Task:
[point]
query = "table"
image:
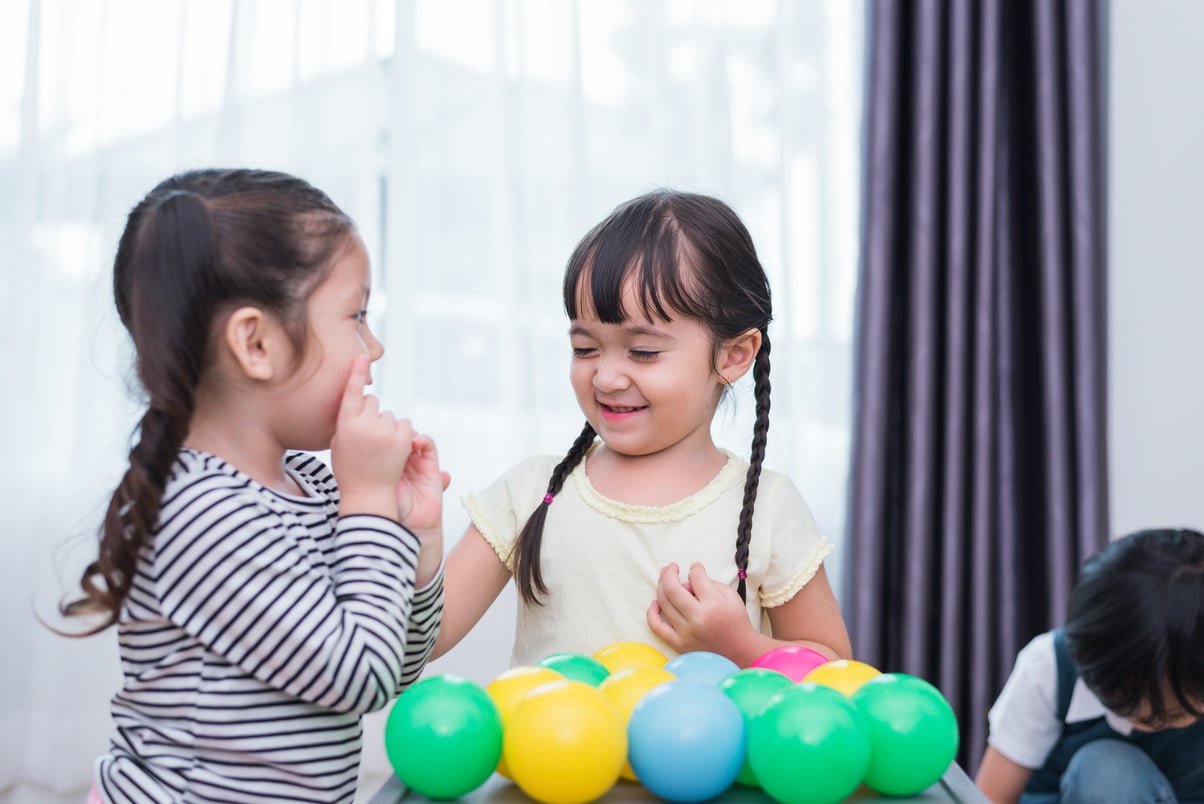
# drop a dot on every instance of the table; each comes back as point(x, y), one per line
point(955, 786)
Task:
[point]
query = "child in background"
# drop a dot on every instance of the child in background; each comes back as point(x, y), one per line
point(1108, 707)
point(264, 602)
point(668, 306)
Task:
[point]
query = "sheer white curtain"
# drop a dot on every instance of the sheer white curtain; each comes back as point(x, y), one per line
point(474, 143)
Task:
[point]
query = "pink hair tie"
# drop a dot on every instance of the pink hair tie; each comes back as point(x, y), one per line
point(742, 574)
point(547, 498)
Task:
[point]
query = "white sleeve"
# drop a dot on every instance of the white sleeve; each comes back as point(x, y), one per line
point(1024, 725)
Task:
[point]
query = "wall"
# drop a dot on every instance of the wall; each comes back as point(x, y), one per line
point(1156, 292)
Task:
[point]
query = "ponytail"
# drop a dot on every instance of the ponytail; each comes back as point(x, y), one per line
point(527, 575)
point(757, 457)
point(163, 261)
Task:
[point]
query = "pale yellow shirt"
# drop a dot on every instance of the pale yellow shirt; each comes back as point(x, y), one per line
point(601, 558)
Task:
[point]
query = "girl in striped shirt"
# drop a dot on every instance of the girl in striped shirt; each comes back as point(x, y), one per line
point(264, 601)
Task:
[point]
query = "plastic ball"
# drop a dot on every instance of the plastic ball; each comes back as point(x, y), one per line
point(511, 687)
point(577, 667)
point(687, 741)
point(565, 743)
point(809, 745)
point(625, 689)
point(621, 655)
point(843, 675)
point(702, 666)
point(913, 733)
point(443, 737)
point(792, 661)
point(751, 689)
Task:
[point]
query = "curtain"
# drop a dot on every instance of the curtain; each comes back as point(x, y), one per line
point(979, 477)
point(474, 143)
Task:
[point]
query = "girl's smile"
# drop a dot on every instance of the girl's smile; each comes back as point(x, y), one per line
point(618, 413)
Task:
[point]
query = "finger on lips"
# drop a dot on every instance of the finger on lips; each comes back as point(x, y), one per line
point(353, 394)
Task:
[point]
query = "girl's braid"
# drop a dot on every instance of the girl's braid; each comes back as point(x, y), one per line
point(527, 574)
point(760, 432)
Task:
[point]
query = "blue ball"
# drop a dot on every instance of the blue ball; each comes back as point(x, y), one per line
point(702, 666)
point(685, 741)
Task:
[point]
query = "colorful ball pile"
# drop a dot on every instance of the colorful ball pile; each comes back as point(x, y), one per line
point(567, 729)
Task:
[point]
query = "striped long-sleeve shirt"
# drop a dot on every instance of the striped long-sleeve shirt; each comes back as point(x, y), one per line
point(259, 629)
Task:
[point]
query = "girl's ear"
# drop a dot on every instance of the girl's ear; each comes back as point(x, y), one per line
point(256, 342)
point(736, 356)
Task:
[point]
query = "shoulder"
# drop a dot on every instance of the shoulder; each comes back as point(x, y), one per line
point(205, 495)
point(524, 478)
point(1034, 675)
point(200, 474)
point(1036, 662)
point(781, 506)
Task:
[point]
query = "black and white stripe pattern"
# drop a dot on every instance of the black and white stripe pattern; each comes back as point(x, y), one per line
point(259, 629)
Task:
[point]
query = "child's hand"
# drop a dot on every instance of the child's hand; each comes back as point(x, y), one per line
point(420, 500)
point(420, 492)
point(701, 614)
point(369, 451)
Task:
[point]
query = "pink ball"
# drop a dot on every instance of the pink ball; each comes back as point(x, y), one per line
point(792, 661)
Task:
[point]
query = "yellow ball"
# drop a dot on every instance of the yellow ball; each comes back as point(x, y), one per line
point(511, 687)
point(565, 743)
point(843, 675)
point(621, 655)
point(625, 689)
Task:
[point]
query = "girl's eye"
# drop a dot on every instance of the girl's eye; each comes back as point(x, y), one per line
point(361, 316)
point(641, 355)
point(582, 351)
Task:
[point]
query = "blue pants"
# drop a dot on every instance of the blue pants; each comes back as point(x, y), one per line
point(1108, 770)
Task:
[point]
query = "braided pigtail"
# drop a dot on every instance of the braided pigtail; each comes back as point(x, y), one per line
point(527, 575)
point(757, 457)
point(166, 253)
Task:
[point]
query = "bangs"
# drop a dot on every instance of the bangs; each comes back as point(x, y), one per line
point(640, 248)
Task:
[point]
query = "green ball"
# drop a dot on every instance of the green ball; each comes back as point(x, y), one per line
point(576, 667)
point(913, 733)
point(750, 689)
point(444, 737)
point(809, 745)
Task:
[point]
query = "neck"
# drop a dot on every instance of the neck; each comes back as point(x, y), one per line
point(240, 442)
point(659, 478)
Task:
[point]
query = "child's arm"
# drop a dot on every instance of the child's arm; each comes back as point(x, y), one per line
point(706, 614)
point(473, 578)
point(232, 572)
point(1000, 779)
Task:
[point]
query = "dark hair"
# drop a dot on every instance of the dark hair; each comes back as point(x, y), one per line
point(688, 255)
point(1135, 624)
point(200, 244)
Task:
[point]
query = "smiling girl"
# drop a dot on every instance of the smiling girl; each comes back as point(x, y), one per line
point(668, 306)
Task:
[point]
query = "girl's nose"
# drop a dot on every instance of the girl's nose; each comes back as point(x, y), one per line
point(609, 377)
point(376, 349)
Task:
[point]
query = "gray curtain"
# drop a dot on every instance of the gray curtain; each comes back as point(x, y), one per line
point(979, 473)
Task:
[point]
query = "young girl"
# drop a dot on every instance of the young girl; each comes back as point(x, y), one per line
point(263, 603)
point(669, 306)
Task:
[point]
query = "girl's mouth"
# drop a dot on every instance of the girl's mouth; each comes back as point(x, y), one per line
point(619, 412)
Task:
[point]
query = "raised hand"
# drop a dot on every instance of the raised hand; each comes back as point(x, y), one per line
point(369, 451)
point(700, 614)
point(420, 500)
point(420, 492)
